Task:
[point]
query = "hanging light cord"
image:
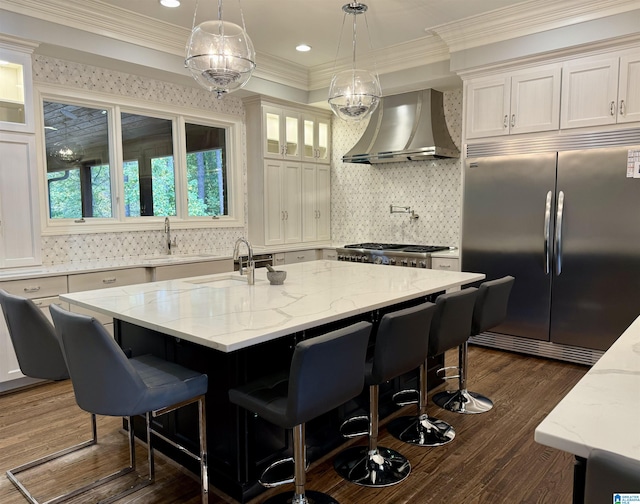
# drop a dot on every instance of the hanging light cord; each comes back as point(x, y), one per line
point(335, 61)
point(375, 66)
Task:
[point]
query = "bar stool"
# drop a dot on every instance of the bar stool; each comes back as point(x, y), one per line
point(401, 345)
point(39, 356)
point(490, 310)
point(451, 324)
point(325, 372)
point(106, 382)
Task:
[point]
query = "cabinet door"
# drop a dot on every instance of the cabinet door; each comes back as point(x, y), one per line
point(273, 203)
point(309, 209)
point(629, 89)
point(282, 133)
point(323, 202)
point(292, 202)
point(19, 219)
point(316, 133)
point(535, 100)
point(487, 107)
point(589, 92)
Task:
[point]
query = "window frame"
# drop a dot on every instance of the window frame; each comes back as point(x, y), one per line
point(114, 105)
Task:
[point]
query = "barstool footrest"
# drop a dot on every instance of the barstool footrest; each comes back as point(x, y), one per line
point(406, 397)
point(381, 468)
point(356, 426)
point(441, 373)
point(463, 401)
point(281, 472)
point(421, 430)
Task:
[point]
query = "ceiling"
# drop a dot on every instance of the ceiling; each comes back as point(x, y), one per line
point(414, 44)
point(276, 27)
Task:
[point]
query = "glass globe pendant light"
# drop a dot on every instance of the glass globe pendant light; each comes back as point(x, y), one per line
point(67, 151)
point(220, 54)
point(354, 94)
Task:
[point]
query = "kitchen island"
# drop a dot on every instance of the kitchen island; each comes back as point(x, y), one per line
point(236, 332)
point(602, 411)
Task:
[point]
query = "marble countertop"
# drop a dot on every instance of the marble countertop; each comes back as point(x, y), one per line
point(222, 312)
point(603, 409)
point(151, 261)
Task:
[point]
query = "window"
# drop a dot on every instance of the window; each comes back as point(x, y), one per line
point(78, 166)
point(113, 165)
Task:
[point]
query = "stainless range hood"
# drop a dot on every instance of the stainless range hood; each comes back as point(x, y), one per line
point(408, 126)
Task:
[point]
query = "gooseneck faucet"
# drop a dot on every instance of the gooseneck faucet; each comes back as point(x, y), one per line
point(251, 266)
point(167, 232)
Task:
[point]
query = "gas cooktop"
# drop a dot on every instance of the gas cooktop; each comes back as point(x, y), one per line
point(397, 247)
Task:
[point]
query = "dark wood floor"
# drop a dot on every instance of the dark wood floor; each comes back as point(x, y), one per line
point(493, 458)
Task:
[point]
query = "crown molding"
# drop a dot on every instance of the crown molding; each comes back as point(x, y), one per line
point(423, 51)
point(526, 18)
point(17, 44)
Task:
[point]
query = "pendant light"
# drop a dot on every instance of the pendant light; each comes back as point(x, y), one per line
point(67, 152)
point(220, 54)
point(354, 94)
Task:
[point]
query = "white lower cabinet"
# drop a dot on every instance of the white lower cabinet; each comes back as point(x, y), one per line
point(174, 271)
point(103, 280)
point(445, 263)
point(282, 202)
point(316, 205)
point(329, 254)
point(43, 292)
point(300, 256)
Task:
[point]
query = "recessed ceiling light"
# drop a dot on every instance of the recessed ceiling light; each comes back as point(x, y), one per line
point(303, 48)
point(170, 3)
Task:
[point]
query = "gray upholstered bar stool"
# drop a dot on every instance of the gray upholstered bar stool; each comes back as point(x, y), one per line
point(39, 356)
point(609, 474)
point(450, 325)
point(400, 346)
point(106, 382)
point(326, 371)
point(490, 309)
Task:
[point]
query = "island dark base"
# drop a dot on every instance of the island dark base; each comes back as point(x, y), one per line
point(240, 444)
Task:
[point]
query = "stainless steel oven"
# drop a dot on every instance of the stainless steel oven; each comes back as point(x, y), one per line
point(390, 254)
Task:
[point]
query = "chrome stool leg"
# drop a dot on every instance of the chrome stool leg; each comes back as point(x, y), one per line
point(300, 496)
point(372, 466)
point(462, 400)
point(422, 430)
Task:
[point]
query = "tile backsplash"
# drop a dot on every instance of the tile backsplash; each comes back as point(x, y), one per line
point(361, 194)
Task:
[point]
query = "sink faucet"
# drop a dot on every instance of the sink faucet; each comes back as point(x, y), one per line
point(251, 266)
point(167, 232)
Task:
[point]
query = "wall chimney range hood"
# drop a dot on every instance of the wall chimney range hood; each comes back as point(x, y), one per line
point(408, 126)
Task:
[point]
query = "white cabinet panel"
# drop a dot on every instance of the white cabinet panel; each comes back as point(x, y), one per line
point(629, 89)
point(535, 101)
point(445, 263)
point(282, 202)
point(589, 92)
point(300, 256)
point(487, 107)
point(281, 133)
point(316, 136)
point(171, 272)
point(19, 208)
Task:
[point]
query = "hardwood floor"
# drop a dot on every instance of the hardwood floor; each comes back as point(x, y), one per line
point(493, 458)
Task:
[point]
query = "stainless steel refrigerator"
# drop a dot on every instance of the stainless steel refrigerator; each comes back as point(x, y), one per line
point(566, 225)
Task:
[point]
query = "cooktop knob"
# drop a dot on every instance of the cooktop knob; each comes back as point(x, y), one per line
point(392, 261)
point(404, 262)
point(422, 264)
point(378, 260)
point(414, 263)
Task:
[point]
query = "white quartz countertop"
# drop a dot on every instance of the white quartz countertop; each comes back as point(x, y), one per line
point(151, 261)
point(222, 312)
point(603, 409)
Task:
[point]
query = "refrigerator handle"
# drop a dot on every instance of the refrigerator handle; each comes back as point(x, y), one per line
point(547, 232)
point(558, 242)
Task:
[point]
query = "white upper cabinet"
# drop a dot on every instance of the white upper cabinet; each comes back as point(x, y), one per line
point(16, 88)
point(19, 209)
point(316, 134)
point(524, 101)
point(281, 128)
point(629, 89)
point(589, 92)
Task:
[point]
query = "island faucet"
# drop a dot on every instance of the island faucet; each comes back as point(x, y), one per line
point(251, 266)
point(167, 232)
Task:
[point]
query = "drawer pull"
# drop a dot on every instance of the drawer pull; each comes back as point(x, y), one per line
point(35, 288)
point(37, 303)
point(299, 257)
point(109, 280)
point(444, 266)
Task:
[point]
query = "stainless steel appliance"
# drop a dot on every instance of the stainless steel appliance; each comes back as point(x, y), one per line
point(566, 224)
point(391, 254)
